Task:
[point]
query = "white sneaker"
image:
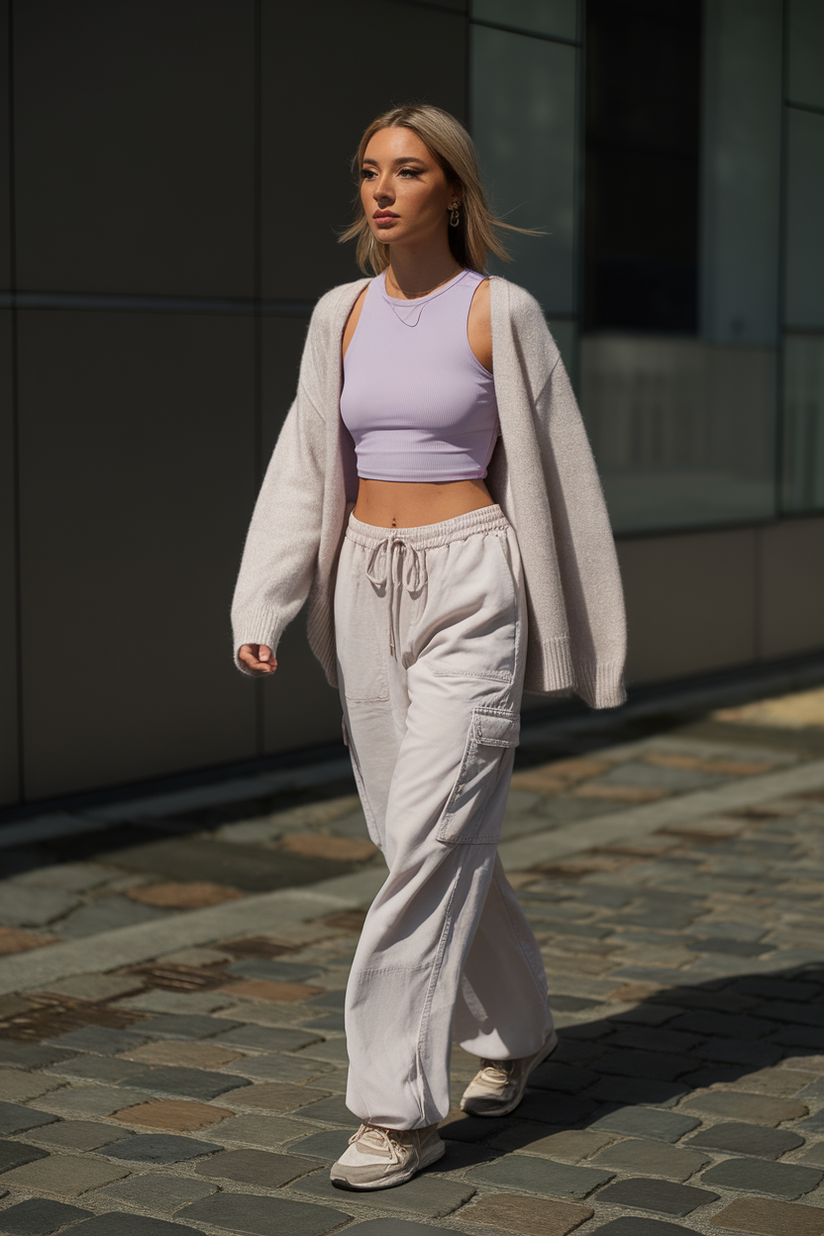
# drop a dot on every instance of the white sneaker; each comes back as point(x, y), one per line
point(379, 1158)
point(499, 1086)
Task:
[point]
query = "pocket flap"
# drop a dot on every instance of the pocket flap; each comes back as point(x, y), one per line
point(494, 728)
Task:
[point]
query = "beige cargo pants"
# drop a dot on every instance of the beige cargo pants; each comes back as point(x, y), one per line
point(430, 630)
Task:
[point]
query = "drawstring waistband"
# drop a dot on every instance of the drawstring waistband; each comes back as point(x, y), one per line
point(397, 557)
point(397, 566)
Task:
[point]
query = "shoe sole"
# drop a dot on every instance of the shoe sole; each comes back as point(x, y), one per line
point(510, 1107)
point(437, 1152)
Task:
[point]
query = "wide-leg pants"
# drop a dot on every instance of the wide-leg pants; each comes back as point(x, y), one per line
point(431, 629)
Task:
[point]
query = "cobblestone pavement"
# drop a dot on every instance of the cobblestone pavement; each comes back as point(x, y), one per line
point(172, 1055)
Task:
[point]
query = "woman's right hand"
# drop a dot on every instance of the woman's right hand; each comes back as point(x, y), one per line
point(257, 658)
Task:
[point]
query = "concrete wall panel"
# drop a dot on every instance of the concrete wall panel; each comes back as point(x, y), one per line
point(137, 477)
point(135, 146)
point(792, 587)
point(5, 150)
point(319, 94)
point(9, 786)
point(690, 602)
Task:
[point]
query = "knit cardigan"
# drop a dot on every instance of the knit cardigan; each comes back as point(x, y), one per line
point(542, 474)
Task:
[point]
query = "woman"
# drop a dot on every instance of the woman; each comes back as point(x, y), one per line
point(478, 560)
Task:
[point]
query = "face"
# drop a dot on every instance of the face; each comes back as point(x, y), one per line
point(405, 194)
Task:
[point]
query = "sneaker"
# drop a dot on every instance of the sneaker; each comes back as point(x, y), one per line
point(499, 1086)
point(380, 1158)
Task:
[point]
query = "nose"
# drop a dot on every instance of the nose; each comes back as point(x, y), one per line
point(382, 189)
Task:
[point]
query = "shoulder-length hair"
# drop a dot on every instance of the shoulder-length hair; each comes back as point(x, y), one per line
point(454, 150)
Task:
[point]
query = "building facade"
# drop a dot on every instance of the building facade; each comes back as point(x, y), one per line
point(178, 171)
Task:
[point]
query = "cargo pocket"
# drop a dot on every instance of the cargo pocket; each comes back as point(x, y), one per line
point(371, 827)
point(464, 820)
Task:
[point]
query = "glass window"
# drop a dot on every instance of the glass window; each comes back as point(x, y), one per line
point(642, 148)
point(804, 423)
point(682, 431)
point(807, 52)
point(741, 171)
point(805, 213)
point(523, 120)
point(552, 17)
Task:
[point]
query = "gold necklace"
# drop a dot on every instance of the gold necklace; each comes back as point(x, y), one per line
point(418, 295)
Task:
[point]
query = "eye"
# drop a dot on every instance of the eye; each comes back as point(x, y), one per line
point(367, 173)
point(408, 172)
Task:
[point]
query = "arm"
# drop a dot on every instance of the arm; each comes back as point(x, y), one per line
point(587, 560)
point(282, 543)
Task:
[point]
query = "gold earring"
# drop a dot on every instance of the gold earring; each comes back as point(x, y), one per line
point(455, 214)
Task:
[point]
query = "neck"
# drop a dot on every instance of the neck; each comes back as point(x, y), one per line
point(414, 274)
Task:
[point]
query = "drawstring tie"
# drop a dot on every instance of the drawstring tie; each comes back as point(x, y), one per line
point(397, 565)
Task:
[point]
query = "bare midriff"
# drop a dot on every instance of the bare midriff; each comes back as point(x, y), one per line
point(413, 504)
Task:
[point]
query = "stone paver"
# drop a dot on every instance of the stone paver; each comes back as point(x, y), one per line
point(15, 1118)
point(184, 1055)
point(159, 1148)
point(760, 1109)
point(129, 1225)
point(660, 1196)
point(33, 907)
point(572, 1144)
point(179, 1115)
point(528, 1215)
point(262, 1132)
point(757, 1176)
point(153, 1191)
point(108, 914)
point(642, 1227)
point(425, 1195)
point(267, 1038)
point(185, 1026)
point(37, 1217)
point(395, 1227)
point(272, 1097)
point(769, 1218)
point(98, 1068)
point(16, 1087)
point(79, 1135)
point(260, 1216)
point(667, 1126)
point(685, 968)
point(101, 1040)
point(255, 1167)
point(15, 1154)
point(737, 1137)
point(89, 1100)
point(63, 1174)
point(188, 1083)
point(656, 1158)
point(540, 1176)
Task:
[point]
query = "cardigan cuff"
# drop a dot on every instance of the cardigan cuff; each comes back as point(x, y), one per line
point(601, 685)
point(257, 626)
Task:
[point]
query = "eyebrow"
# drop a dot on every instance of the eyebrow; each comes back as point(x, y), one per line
point(396, 162)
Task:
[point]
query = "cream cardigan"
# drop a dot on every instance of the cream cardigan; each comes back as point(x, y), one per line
point(542, 474)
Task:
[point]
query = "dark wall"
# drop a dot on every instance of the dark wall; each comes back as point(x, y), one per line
point(180, 172)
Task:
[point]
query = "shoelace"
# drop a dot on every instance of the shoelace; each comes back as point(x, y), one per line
point(380, 1139)
point(497, 1072)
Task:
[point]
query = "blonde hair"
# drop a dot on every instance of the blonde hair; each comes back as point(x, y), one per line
point(454, 150)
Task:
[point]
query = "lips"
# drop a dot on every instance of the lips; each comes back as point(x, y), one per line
point(384, 214)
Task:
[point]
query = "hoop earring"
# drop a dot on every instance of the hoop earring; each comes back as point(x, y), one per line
point(455, 214)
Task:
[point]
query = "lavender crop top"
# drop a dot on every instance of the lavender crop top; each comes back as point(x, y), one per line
point(418, 403)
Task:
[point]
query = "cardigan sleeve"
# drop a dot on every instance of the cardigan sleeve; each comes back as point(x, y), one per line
point(282, 543)
point(587, 561)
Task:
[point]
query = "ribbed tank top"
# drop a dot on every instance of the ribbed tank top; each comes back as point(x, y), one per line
point(418, 403)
